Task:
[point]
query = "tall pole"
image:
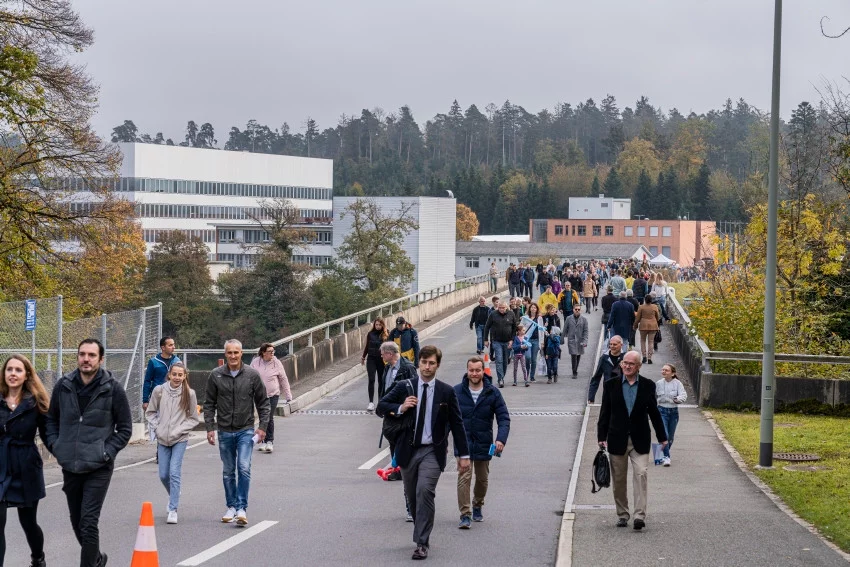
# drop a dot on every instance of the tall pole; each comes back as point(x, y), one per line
point(768, 355)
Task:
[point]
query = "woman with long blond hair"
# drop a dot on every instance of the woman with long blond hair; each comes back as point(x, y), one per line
point(23, 406)
point(376, 336)
point(172, 413)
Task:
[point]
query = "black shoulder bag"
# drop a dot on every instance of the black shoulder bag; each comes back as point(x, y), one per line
point(395, 425)
point(601, 472)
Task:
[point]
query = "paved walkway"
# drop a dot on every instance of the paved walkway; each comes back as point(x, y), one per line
point(702, 510)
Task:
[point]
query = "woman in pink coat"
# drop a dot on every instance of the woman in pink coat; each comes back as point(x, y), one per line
point(274, 377)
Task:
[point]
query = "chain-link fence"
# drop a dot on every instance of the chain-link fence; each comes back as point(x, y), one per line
point(130, 337)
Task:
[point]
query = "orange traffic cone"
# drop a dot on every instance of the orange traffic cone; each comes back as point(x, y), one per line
point(145, 553)
point(487, 371)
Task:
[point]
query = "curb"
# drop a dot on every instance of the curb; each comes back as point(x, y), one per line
point(312, 396)
point(760, 484)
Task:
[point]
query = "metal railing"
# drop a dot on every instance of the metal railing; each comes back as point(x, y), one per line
point(365, 316)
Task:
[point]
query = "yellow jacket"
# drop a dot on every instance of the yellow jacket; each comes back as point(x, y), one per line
point(547, 298)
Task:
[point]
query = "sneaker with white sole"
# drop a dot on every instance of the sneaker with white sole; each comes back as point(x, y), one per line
point(172, 517)
point(666, 461)
point(269, 447)
point(370, 407)
point(241, 518)
point(261, 447)
point(229, 515)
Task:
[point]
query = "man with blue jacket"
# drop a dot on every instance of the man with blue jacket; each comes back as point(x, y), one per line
point(479, 403)
point(157, 369)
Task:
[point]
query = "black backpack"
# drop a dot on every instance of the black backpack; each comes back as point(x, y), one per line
point(601, 472)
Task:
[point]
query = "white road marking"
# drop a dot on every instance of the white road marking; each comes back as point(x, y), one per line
point(227, 544)
point(131, 465)
point(374, 460)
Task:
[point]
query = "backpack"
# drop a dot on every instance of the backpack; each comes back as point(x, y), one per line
point(601, 472)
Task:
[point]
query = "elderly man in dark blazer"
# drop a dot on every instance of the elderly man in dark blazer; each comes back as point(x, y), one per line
point(421, 451)
point(628, 404)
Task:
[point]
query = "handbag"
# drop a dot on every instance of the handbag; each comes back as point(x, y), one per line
point(601, 477)
point(394, 425)
point(541, 365)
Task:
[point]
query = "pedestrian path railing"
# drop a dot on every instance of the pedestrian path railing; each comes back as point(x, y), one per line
point(37, 329)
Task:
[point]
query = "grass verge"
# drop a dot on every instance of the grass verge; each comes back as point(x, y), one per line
point(821, 497)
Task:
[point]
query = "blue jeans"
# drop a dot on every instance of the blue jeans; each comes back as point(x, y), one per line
point(479, 336)
point(170, 465)
point(552, 366)
point(531, 357)
point(503, 354)
point(235, 449)
point(670, 417)
point(494, 284)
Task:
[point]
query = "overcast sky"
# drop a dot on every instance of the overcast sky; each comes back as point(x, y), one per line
point(164, 62)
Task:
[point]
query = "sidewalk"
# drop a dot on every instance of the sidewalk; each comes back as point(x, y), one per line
point(701, 511)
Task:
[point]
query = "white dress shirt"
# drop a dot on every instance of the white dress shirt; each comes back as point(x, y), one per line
point(427, 434)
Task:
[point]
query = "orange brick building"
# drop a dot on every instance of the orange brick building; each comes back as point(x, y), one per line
point(680, 240)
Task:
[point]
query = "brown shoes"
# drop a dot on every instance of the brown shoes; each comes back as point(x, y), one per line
point(420, 553)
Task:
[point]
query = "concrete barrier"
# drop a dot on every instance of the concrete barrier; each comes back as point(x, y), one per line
point(717, 390)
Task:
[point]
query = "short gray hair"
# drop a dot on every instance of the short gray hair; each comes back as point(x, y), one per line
point(390, 347)
point(233, 342)
point(623, 295)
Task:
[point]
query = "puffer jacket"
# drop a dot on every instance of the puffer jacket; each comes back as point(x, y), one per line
point(167, 418)
point(478, 418)
point(86, 441)
point(230, 400)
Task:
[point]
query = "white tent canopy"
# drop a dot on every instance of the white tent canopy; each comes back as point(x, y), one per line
point(661, 260)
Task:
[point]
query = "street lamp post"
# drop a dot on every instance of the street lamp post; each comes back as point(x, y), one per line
point(768, 354)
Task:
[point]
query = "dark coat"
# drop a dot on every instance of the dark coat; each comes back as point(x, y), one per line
point(408, 343)
point(479, 316)
point(622, 318)
point(478, 418)
point(616, 425)
point(500, 328)
point(21, 475)
point(607, 302)
point(86, 441)
point(445, 417)
point(229, 401)
point(406, 371)
point(373, 343)
point(606, 369)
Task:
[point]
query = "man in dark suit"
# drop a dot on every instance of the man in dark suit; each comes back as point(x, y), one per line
point(623, 428)
point(421, 452)
point(396, 367)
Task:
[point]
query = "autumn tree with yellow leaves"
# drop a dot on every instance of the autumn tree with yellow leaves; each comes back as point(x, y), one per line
point(467, 223)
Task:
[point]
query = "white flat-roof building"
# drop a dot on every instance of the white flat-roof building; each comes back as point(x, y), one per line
point(217, 194)
point(431, 248)
point(601, 207)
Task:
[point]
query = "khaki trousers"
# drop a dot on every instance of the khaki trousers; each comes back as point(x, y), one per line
point(647, 342)
point(482, 474)
point(619, 474)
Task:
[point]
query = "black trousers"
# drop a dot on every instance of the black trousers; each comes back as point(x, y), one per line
point(85, 493)
point(35, 537)
point(575, 359)
point(374, 371)
point(273, 401)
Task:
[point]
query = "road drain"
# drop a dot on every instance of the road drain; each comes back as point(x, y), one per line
point(796, 457)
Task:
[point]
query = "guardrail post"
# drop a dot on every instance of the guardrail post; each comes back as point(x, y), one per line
point(310, 339)
point(342, 328)
point(368, 317)
point(291, 347)
point(103, 328)
point(327, 332)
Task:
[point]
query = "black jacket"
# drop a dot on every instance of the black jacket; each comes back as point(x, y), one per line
point(230, 400)
point(576, 282)
point(86, 441)
point(479, 316)
point(550, 321)
point(21, 475)
point(406, 371)
point(515, 277)
point(478, 418)
point(616, 425)
point(500, 328)
point(373, 344)
point(529, 275)
point(606, 369)
point(544, 278)
point(607, 301)
point(445, 417)
point(639, 288)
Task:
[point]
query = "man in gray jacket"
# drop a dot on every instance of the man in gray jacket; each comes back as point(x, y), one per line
point(232, 392)
point(88, 423)
point(575, 336)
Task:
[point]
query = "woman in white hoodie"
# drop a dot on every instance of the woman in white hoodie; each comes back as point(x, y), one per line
point(172, 414)
point(669, 393)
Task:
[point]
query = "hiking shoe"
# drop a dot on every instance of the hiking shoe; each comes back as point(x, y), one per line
point(241, 518)
point(476, 515)
point(229, 516)
point(623, 523)
point(370, 407)
point(465, 523)
point(639, 524)
point(172, 517)
point(269, 447)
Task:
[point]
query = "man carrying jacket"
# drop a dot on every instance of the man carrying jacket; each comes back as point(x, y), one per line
point(88, 423)
point(478, 320)
point(480, 403)
point(608, 366)
point(501, 328)
point(232, 392)
point(407, 339)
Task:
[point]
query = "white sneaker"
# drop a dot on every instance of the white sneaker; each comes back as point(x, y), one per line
point(261, 447)
point(666, 461)
point(370, 407)
point(241, 518)
point(269, 447)
point(229, 515)
point(172, 517)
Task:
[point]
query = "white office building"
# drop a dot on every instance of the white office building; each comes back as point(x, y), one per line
point(431, 248)
point(217, 195)
point(600, 208)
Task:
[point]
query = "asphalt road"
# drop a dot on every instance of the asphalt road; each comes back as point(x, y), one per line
point(322, 509)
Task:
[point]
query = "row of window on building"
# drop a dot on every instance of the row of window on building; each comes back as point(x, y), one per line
point(581, 230)
point(250, 260)
point(153, 235)
point(229, 236)
point(157, 210)
point(186, 187)
point(475, 261)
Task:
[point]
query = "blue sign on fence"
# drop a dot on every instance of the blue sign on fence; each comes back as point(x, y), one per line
point(30, 314)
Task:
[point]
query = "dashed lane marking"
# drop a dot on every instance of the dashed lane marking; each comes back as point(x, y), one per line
point(229, 543)
point(524, 413)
